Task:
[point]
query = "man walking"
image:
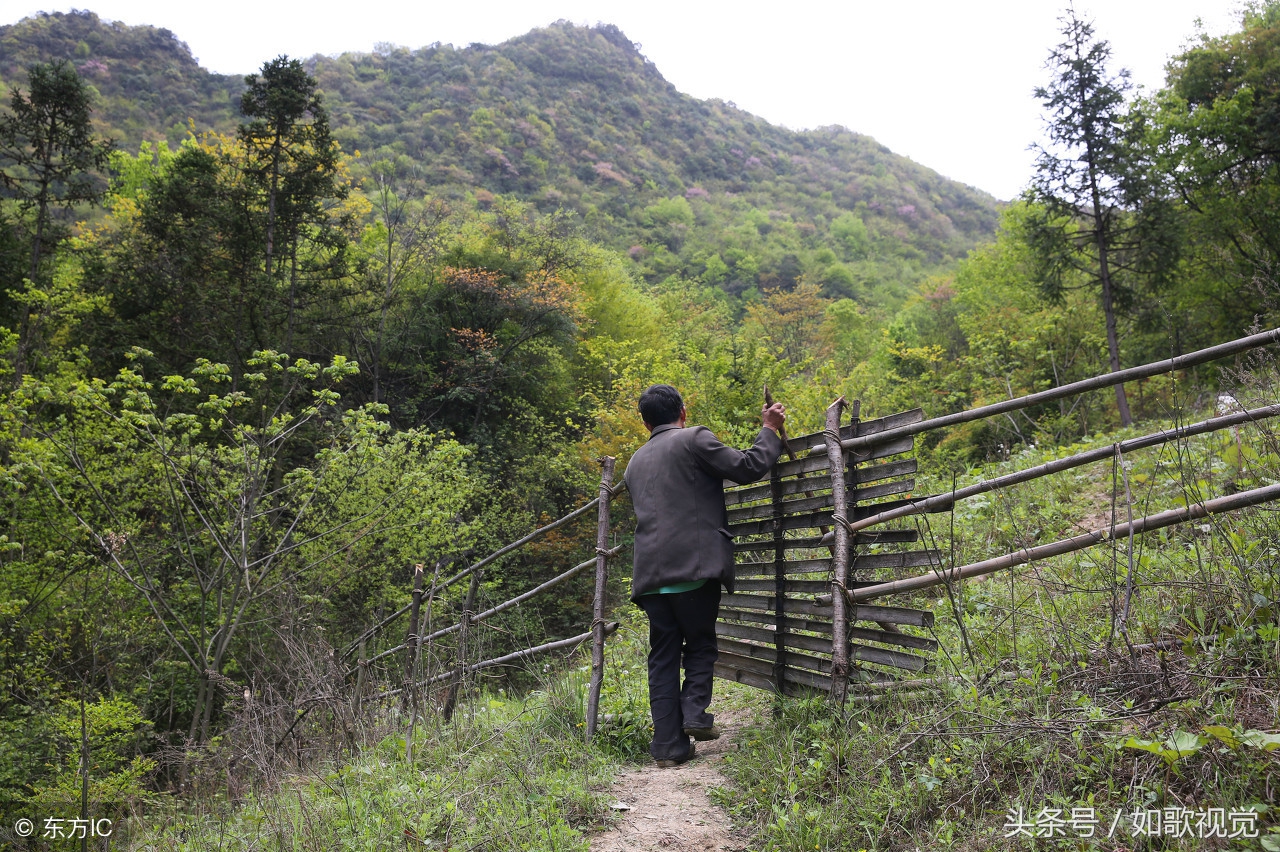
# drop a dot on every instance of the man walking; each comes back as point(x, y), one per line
point(683, 555)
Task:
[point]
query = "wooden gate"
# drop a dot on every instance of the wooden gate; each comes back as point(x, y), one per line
point(778, 629)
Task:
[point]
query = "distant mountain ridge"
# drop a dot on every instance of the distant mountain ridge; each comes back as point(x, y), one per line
point(571, 117)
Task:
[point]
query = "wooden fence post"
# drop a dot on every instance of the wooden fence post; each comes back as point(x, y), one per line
point(839, 555)
point(361, 665)
point(410, 640)
point(779, 585)
point(602, 577)
point(468, 609)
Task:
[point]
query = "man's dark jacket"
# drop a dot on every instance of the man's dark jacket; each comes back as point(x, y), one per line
point(676, 482)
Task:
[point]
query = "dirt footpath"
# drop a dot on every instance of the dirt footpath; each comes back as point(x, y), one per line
point(668, 810)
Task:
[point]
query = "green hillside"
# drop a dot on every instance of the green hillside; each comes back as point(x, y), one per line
point(572, 118)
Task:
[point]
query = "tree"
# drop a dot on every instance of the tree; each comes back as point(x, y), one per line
point(49, 159)
point(181, 267)
point(1095, 221)
point(404, 239)
point(1220, 119)
point(294, 160)
point(219, 507)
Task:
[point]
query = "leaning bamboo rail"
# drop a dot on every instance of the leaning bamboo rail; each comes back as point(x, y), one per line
point(533, 536)
point(572, 642)
point(602, 577)
point(1191, 359)
point(1149, 523)
point(466, 572)
point(502, 607)
point(941, 502)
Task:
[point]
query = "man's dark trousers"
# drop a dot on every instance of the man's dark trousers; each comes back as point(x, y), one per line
point(682, 630)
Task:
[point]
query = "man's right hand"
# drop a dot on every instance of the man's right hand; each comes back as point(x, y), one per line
point(774, 416)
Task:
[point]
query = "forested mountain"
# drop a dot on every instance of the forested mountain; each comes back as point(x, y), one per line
point(268, 342)
point(148, 86)
point(572, 118)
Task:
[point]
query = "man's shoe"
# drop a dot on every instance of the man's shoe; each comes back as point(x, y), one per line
point(702, 734)
point(667, 763)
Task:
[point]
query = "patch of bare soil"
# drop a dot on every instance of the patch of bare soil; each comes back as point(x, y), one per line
point(669, 810)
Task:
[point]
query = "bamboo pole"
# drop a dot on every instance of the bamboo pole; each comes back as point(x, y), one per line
point(360, 669)
point(791, 454)
point(602, 577)
point(455, 677)
point(839, 555)
point(359, 641)
point(1155, 368)
point(409, 643)
point(941, 502)
point(574, 641)
point(515, 545)
point(617, 488)
point(488, 613)
point(414, 655)
point(521, 598)
point(1068, 545)
point(779, 584)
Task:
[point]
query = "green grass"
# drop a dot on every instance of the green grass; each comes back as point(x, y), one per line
point(1045, 708)
point(1038, 707)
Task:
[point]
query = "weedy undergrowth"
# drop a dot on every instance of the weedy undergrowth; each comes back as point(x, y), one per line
point(1123, 696)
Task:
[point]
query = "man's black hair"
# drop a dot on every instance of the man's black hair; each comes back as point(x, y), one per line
point(660, 405)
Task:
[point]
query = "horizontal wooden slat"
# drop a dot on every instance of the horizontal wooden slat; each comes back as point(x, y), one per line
point(891, 421)
point(769, 619)
point(862, 539)
point(814, 440)
point(820, 501)
point(861, 612)
point(862, 427)
point(864, 473)
point(762, 545)
point(905, 559)
point(894, 447)
point(801, 641)
point(862, 653)
point(818, 461)
point(812, 520)
point(902, 640)
point(766, 602)
point(819, 482)
point(790, 566)
point(789, 507)
point(760, 667)
point(792, 587)
point(787, 487)
point(885, 536)
point(883, 489)
point(887, 657)
point(767, 655)
point(891, 615)
point(725, 671)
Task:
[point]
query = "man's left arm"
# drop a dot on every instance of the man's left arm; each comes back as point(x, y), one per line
point(743, 466)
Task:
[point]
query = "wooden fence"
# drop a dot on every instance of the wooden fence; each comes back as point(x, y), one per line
point(828, 533)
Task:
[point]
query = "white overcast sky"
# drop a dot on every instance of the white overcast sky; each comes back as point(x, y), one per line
point(944, 82)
